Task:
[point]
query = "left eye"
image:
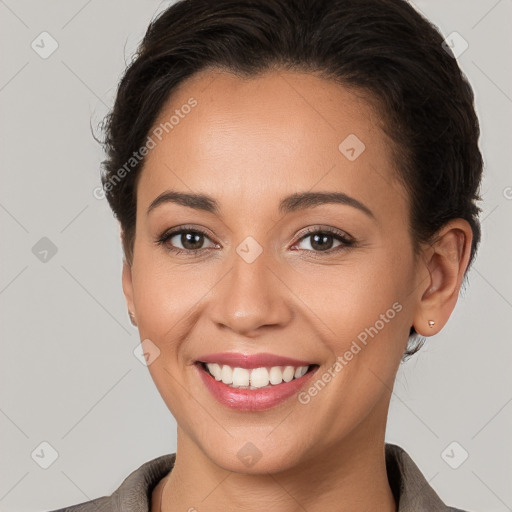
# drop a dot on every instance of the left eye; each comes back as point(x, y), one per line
point(322, 241)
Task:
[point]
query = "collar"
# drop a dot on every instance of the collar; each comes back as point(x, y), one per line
point(411, 490)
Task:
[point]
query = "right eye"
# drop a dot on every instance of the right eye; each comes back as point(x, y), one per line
point(191, 241)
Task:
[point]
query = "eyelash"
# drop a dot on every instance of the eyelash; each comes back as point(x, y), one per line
point(346, 241)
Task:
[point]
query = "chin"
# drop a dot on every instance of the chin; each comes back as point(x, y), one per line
point(256, 457)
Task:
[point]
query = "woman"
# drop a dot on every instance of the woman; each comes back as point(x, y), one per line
point(296, 185)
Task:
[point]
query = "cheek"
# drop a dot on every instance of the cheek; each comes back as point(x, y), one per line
point(368, 313)
point(354, 294)
point(368, 325)
point(169, 296)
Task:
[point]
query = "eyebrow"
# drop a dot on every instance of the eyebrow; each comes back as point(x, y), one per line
point(292, 203)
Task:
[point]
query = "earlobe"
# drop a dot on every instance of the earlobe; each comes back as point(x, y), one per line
point(446, 263)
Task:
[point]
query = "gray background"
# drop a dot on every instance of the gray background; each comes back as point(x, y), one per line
point(68, 373)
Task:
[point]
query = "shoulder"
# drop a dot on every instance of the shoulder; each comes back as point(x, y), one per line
point(134, 493)
point(412, 491)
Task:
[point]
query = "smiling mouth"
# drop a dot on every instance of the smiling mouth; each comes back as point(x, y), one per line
point(255, 378)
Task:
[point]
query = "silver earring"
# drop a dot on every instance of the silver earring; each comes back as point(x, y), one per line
point(132, 318)
point(431, 323)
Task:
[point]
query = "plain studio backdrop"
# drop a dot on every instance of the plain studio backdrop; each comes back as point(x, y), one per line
point(72, 388)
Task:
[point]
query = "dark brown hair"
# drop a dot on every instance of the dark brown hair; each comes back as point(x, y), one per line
point(383, 48)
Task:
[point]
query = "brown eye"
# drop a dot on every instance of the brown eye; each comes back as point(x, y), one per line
point(184, 241)
point(323, 240)
point(190, 240)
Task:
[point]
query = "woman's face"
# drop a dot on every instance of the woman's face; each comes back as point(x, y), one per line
point(329, 283)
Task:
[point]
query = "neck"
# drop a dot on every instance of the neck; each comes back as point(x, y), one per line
point(348, 477)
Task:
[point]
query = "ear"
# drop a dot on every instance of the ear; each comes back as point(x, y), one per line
point(446, 261)
point(128, 291)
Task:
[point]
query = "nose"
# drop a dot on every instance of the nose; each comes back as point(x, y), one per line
point(251, 296)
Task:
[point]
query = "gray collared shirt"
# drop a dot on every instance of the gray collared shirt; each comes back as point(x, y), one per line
point(412, 492)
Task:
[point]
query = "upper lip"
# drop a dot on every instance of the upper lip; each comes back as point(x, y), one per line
point(249, 361)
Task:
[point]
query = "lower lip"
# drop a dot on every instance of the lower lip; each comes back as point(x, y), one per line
point(253, 399)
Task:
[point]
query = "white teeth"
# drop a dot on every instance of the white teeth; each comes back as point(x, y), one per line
point(275, 375)
point(288, 373)
point(255, 378)
point(300, 371)
point(226, 374)
point(259, 377)
point(240, 377)
point(215, 370)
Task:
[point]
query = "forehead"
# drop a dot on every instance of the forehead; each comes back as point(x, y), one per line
point(248, 141)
